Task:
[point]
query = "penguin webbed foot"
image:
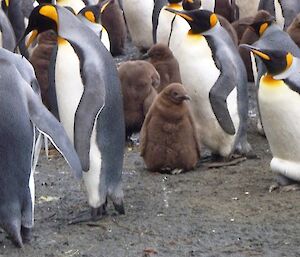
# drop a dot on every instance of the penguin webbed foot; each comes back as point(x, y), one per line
point(119, 207)
point(92, 215)
point(284, 184)
point(26, 234)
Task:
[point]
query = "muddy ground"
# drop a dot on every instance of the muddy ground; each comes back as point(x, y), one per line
point(207, 212)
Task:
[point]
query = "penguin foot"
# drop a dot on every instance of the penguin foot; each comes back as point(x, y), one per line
point(223, 162)
point(93, 215)
point(284, 184)
point(119, 208)
point(26, 234)
point(176, 171)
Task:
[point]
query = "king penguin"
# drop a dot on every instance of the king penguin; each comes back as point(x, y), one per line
point(85, 80)
point(216, 80)
point(138, 16)
point(7, 36)
point(279, 101)
point(90, 16)
point(23, 118)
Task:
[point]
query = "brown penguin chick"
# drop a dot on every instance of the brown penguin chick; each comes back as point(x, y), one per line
point(40, 60)
point(138, 82)
point(294, 30)
point(113, 21)
point(168, 138)
point(241, 25)
point(162, 58)
point(227, 25)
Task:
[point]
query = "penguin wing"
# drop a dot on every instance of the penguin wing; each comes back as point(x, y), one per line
point(91, 103)
point(8, 36)
point(52, 98)
point(293, 82)
point(48, 125)
point(219, 93)
point(158, 5)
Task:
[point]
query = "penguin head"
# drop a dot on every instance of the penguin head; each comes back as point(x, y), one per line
point(174, 1)
point(199, 20)
point(175, 93)
point(276, 61)
point(43, 17)
point(159, 52)
point(191, 4)
point(93, 12)
point(261, 22)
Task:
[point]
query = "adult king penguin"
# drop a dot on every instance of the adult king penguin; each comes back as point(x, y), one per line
point(279, 101)
point(7, 36)
point(22, 116)
point(216, 80)
point(90, 16)
point(89, 102)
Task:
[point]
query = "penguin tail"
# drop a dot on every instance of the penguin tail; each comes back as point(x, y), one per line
point(13, 228)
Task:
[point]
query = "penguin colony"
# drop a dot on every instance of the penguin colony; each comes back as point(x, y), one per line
point(190, 93)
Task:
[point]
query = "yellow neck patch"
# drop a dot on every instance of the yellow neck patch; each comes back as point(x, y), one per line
point(175, 6)
point(289, 60)
point(268, 80)
point(61, 41)
point(213, 20)
point(50, 12)
point(90, 16)
point(194, 36)
point(263, 28)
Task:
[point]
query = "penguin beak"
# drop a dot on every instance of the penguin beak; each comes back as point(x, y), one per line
point(32, 37)
point(182, 14)
point(256, 51)
point(185, 97)
point(145, 56)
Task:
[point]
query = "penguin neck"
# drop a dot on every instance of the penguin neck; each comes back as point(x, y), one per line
point(170, 111)
point(294, 68)
point(96, 27)
point(175, 6)
point(268, 80)
point(213, 30)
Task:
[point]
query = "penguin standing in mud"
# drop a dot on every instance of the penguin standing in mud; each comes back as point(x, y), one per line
point(90, 16)
point(23, 116)
point(138, 16)
point(85, 80)
point(279, 101)
point(168, 136)
point(216, 80)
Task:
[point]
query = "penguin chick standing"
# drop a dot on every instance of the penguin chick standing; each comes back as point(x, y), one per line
point(138, 80)
point(22, 116)
point(168, 137)
point(215, 78)
point(162, 58)
point(279, 105)
point(113, 21)
point(88, 92)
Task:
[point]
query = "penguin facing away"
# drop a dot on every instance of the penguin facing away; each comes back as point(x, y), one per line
point(168, 136)
point(215, 78)
point(139, 79)
point(90, 16)
point(279, 101)
point(113, 21)
point(19, 148)
point(162, 58)
point(89, 103)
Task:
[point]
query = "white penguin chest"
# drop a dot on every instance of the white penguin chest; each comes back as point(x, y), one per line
point(68, 85)
point(105, 39)
point(138, 16)
point(280, 114)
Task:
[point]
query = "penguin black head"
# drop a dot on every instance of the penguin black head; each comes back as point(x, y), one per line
point(43, 17)
point(93, 12)
point(199, 20)
point(191, 4)
point(44, 1)
point(261, 22)
point(175, 93)
point(276, 61)
point(174, 1)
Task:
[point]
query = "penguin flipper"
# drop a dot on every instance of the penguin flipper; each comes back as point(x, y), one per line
point(8, 36)
point(218, 98)
point(88, 110)
point(47, 124)
point(294, 83)
point(158, 5)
